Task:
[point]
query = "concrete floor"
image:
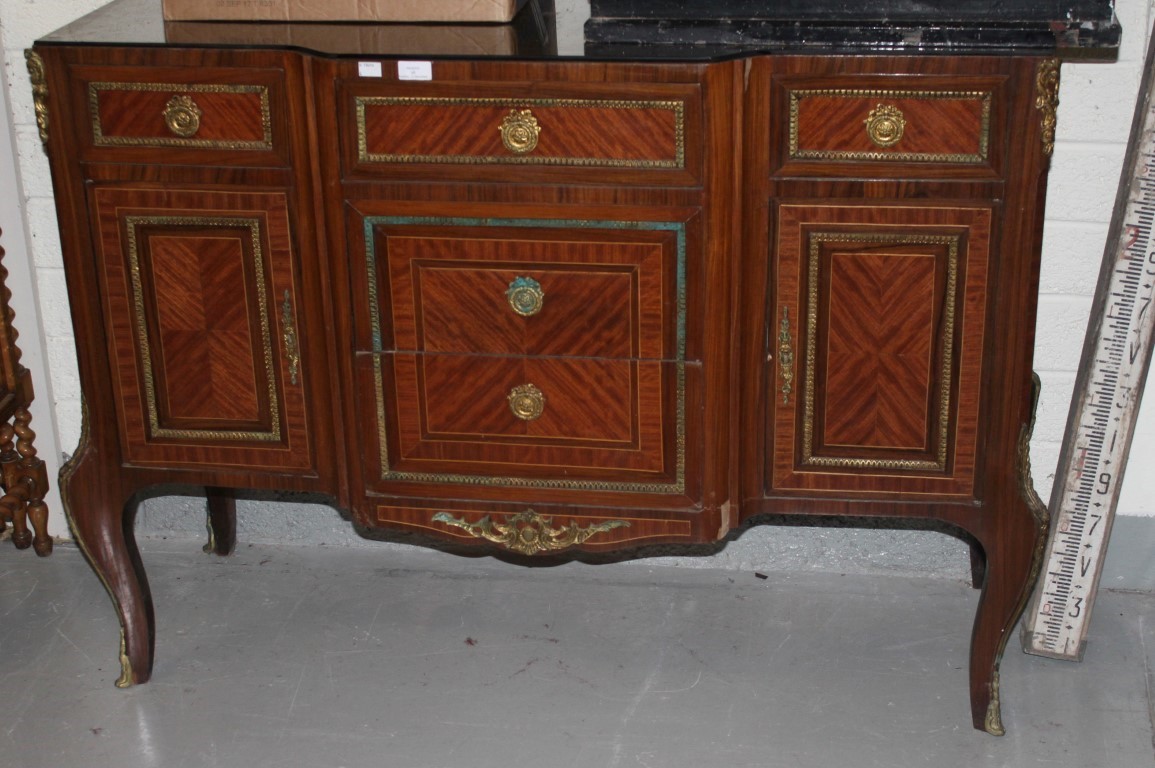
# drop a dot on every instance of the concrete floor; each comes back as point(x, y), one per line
point(324, 657)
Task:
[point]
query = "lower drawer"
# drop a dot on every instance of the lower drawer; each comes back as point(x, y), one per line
point(537, 530)
point(534, 423)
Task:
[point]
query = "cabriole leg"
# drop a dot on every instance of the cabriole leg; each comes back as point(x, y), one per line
point(102, 519)
point(978, 565)
point(1014, 555)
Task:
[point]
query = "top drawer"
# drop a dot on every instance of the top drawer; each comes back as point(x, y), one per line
point(182, 114)
point(905, 125)
point(536, 130)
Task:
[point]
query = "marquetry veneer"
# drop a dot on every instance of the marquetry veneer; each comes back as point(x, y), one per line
point(551, 304)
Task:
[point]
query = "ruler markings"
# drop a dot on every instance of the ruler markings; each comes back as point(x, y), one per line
point(1116, 358)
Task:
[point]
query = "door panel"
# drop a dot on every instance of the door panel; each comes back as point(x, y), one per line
point(203, 318)
point(878, 331)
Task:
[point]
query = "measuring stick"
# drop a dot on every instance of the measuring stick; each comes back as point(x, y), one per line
point(1113, 370)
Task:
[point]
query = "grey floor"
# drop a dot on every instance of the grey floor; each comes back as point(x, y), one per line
point(287, 657)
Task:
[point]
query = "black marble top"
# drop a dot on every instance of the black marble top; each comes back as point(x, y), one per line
point(1071, 27)
point(654, 29)
point(919, 11)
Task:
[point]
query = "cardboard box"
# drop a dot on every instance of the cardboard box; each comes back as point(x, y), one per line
point(385, 39)
point(531, 33)
point(341, 10)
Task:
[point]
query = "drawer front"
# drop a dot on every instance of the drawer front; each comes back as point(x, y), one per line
point(577, 286)
point(526, 423)
point(543, 127)
point(152, 114)
point(870, 124)
point(180, 114)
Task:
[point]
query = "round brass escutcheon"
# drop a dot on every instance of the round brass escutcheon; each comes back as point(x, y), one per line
point(519, 131)
point(526, 401)
point(182, 116)
point(525, 296)
point(885, 125)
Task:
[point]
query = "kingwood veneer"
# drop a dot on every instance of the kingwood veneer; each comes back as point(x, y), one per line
point(554, 304)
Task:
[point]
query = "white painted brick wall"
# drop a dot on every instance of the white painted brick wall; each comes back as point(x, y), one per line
point(1097, 101)
point(22, 282)
point(21, 22)
point(1096, 105)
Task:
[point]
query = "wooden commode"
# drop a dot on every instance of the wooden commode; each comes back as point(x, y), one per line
point(552, 302)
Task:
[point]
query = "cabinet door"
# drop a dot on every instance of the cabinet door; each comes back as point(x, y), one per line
point(202, 314)
point(876, 342)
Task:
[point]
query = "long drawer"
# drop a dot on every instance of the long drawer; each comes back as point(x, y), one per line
point(179, 115)
point(906, 125)
point(581, 286)
point(527, 424)
point(548, 130)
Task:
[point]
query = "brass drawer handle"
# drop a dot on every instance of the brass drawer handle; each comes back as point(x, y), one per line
point(519, 131)
point(786, 356)
point(289, 334)
point(525, 296)
point(885, 124)
point(182, 115)
point(526, 401)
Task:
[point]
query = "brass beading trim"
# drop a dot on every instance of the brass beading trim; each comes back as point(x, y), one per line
point(870, 93)
point(253, 225)
point(100, 140)
point(816, 240)
point(677, 107)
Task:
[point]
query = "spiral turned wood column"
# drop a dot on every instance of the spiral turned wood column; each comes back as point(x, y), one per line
point(22, 474)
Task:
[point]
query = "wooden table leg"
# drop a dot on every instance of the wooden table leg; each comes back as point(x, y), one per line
point(31, 469)
point(102, 517)
point(978, 565)
point(1014, 555)
point(16, 493)
point(222, 522)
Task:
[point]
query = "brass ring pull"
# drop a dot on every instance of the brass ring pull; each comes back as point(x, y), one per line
point(183, 116)
point(786, 356)
point(526, 401)
point(525, 296)
point(519, 131)
point(885, 124)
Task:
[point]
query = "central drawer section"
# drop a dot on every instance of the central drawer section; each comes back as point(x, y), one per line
point(530, 352)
